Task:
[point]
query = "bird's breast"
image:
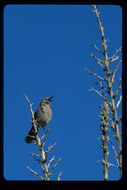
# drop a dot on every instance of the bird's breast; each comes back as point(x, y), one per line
point(46, 115)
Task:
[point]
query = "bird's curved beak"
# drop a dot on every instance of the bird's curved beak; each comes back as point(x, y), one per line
point(50, 99)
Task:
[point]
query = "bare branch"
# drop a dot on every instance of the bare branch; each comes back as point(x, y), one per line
point(46, 131)
point(49, 148)
point(94, 74)
point(118, 88)
point(119, 102)
point(99, 60)
point(109, 83)
point(102, 87)
point(112, 165)
point(55, 165)
point(100, 64)
point(114, 72)
point(92, 89)
point(102, 33)
point(114, 57)
point(120, 119)
point(94, 45)
point(53, 158)
point(116, 156)
point(59, 176)
point(34, 155)
point(30, 105)
point(35, 173)
point(42, 144)
point(103, 96)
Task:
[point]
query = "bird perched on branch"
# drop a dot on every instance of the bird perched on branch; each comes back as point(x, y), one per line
point(42, 117)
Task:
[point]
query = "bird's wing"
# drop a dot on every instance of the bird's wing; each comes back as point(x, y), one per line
point(39, 111)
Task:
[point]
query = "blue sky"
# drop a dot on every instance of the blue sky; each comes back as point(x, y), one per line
point(46, 48)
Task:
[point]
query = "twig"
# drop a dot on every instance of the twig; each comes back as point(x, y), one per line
point(59, 176)
point(33, 154)
point(118, 88)
point(94, 45)
point(35, 173)
point(120, 119)
point(99, 60)
point(94, 74)
point(92, 89)
point(53, 158)
point(33, 120)
point(103, 96)
point(118, 102)
point(49, 148)
point(114, 72)
point(55, 165)
point(114, 57)
point(102, 87)
point(102, 34)
point(116, 156)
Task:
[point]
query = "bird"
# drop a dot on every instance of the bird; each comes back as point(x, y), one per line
point(42, 117)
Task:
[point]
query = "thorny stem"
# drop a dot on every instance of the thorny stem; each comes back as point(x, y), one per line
point(110, 89)
point(116, 123)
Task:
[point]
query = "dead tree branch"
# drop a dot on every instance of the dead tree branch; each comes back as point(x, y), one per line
point(107, 84)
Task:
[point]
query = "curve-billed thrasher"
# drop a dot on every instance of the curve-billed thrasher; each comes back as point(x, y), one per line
point(42, 117)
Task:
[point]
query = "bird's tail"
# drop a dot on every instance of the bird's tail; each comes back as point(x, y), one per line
point(31, 135)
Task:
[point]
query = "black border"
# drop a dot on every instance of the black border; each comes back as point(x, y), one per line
point(3, 3)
